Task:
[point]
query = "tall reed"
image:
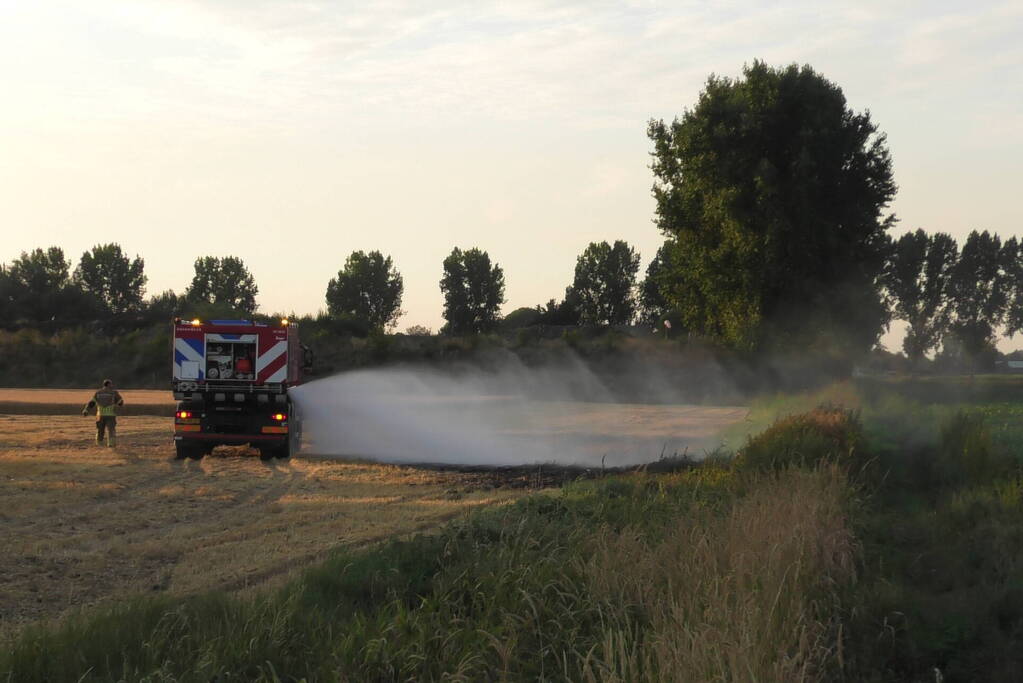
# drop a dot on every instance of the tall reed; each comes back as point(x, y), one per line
point(750, 595)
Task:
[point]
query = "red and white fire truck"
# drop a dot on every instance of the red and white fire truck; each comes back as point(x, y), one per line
point(231, 380)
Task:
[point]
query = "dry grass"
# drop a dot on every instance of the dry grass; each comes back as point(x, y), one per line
point(749, 596)
point(81, 396)
point(71, 401)
point(83, 524)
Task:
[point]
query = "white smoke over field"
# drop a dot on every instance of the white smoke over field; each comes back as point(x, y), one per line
point(508, 415)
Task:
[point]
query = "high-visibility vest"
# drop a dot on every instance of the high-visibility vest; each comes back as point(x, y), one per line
point(107, 401)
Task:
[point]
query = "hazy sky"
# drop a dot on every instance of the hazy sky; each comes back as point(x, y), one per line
point(291, 134)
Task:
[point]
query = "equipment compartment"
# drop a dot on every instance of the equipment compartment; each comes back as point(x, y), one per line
point(230, 357)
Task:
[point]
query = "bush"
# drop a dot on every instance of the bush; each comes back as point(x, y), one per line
point(344, 325)
point(823, 435)
point(966, 453)
point(520, 318)
point(379, 346)
point(527, 336)
point(573, 338)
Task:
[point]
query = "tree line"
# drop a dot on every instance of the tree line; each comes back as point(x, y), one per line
point(771, 195)
point(952, 298)
point(107, 288)
point(39, 288)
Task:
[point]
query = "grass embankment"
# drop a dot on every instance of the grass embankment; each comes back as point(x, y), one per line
point(689, 575)
point(940, 589)
point(880, 543)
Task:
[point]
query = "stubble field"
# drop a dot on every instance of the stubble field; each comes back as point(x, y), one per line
point(84, 524)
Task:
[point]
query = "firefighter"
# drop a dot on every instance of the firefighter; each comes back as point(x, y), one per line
point(106, 401)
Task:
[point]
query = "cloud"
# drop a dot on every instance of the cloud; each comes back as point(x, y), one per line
point(590, 64)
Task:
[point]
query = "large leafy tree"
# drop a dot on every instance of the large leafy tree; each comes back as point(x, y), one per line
point(653, 305)
point(918, 280)
point(978, 293)
point(772, 192)
point(1012, 267)
point(8, 297)
point(39, 289)
point(368, 288)
point(562, 313)
point(605, 283)
point(225, 282)
point(41, 272)
point(115, 281)
point(473, 291)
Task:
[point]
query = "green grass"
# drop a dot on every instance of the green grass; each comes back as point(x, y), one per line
point(942, 536)
point(940, 587)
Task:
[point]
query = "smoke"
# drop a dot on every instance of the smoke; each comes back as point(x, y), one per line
point(503, 414)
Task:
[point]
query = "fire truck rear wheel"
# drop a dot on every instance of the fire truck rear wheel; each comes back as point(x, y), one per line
point(184, 450)
point(281, 452)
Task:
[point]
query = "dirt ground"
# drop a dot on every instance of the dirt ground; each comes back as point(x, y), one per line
point(82, 523)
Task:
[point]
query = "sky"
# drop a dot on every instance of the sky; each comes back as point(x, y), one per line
point(290, 134)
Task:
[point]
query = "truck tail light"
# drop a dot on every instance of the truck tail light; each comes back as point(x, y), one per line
point(280, 417)
point(184, 414)
point(275, 430)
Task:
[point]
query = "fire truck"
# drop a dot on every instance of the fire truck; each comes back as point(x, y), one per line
point(231, 380)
